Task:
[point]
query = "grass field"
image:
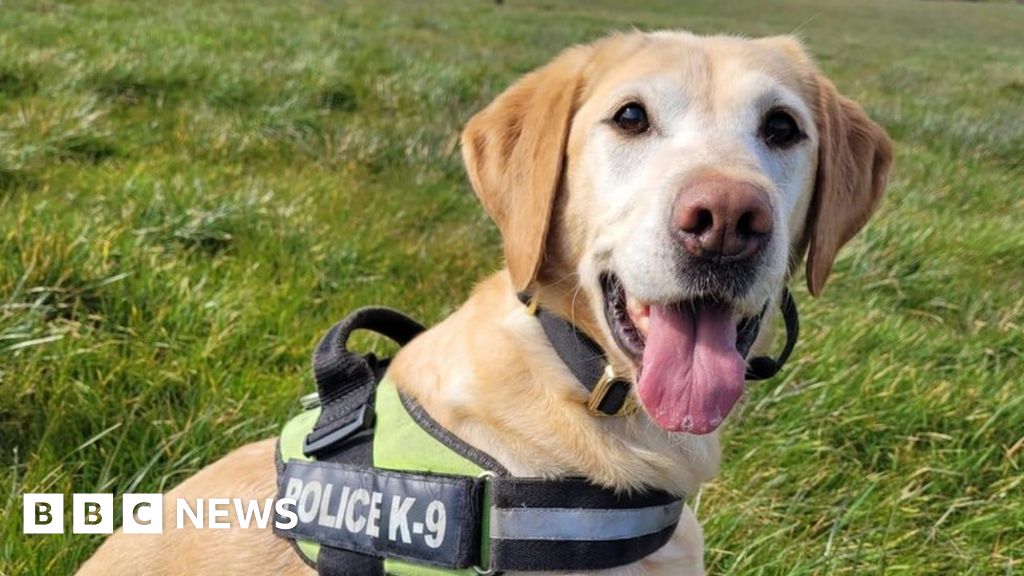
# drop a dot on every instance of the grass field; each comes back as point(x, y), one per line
point(191, 192)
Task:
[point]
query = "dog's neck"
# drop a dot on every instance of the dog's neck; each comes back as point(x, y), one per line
point(488, 374)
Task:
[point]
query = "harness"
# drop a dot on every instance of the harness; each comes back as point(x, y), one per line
point(381, 488)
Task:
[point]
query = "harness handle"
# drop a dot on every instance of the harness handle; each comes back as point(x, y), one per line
point(345, 380)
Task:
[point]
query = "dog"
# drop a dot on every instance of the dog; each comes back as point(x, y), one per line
point(651, 188)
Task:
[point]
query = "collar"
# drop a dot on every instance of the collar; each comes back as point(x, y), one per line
point(609, 392)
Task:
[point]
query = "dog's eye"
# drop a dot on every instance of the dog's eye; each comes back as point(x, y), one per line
point(780, 130)
point(632, 119)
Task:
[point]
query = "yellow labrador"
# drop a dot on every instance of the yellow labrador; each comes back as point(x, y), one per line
point(653, 189)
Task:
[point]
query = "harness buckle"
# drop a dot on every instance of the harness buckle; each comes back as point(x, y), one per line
point(310, 401)
point(362, 420)
point(611, 396)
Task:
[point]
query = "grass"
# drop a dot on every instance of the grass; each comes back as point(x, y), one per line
point(190, 192)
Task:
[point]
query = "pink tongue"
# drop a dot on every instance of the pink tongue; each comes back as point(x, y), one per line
point(692, 374)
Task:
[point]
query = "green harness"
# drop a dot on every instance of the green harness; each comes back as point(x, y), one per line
point(378, 487)
point(398, 444)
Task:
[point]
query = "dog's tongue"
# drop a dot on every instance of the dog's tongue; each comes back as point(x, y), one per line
point(692, 374)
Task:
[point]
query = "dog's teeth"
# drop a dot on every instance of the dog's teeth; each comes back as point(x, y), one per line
point(642, 324)
point(635, 305)
point(639, 314)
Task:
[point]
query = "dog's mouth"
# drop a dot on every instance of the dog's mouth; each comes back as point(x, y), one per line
point(690, 372)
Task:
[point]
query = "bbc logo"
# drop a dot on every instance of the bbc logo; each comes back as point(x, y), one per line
point(92, 514)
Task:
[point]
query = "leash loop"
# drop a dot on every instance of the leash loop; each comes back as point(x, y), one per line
point(346, 381)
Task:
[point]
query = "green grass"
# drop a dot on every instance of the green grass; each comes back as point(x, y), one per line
point(190, 192)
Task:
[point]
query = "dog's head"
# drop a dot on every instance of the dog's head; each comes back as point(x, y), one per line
point(672, 183)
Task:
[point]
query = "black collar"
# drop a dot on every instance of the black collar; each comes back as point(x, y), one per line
point(609, 393)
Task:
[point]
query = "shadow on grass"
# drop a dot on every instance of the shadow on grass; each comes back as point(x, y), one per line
point(130, 88)
point(17, 81)
point(84, 148)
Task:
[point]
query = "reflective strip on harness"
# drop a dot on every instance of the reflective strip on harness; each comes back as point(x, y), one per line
point(385, 513)
point(445, 521)
point(570, 524)
point(582, 524)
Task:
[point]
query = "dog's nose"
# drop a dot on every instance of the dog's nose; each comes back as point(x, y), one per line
point(721, 218)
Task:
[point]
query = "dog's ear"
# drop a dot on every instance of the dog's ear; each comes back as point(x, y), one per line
point(514, 152)
point(854, 156)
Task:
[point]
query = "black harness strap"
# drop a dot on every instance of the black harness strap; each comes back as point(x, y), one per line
point(536, 524)
point(571, 524)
